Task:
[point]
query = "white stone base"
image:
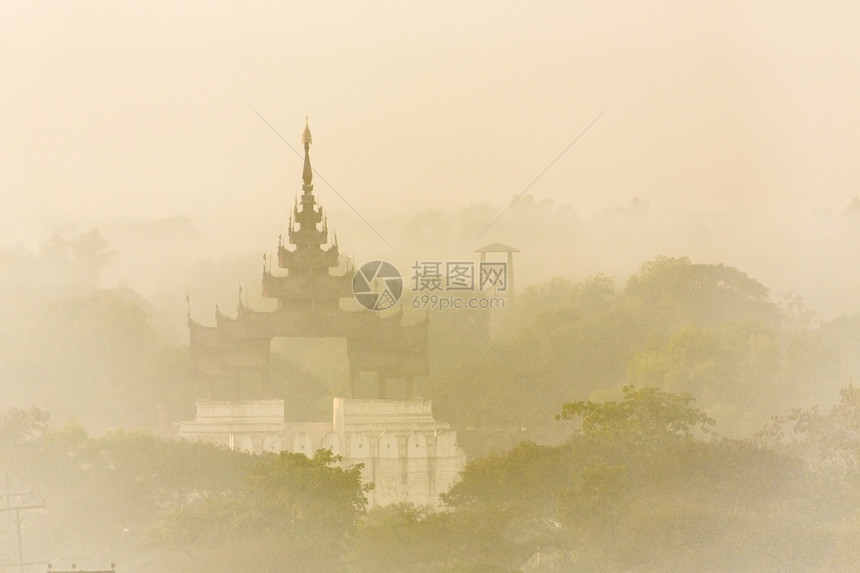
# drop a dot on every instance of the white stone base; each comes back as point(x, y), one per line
point(407, 454)
point(253, 426)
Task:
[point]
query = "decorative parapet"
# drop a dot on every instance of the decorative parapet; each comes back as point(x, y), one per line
point(360, 414)
point(254, 426)
point(407, 454)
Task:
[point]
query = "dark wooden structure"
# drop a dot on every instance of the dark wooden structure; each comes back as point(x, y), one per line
point(309, 300)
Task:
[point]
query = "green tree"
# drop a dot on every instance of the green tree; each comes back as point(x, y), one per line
point(828, 442)
point(733, 370)
point(407, 539)
point(707, 330)
point(103, 495)
point(645, 420)
point(293, 513)
point(670, 292)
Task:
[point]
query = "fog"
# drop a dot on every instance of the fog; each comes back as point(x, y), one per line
point(150, 158)
point(734, 124)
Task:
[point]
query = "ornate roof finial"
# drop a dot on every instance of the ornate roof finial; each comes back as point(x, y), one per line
point(307, 172)
point(306, 136)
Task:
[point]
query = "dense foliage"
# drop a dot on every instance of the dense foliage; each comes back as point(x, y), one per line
point(707, 330)
point(642, 484)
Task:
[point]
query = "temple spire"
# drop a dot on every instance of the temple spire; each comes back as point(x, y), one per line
point(307, 172)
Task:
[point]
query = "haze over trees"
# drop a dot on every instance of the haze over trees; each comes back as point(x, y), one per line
point(109, 358)
point(678, 418)
point(707, 330)
point(642, 483)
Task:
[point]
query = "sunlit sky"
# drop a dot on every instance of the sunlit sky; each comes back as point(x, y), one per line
point(145, 110)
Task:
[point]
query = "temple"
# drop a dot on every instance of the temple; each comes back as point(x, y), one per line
point(403, 449)
point(233, 355)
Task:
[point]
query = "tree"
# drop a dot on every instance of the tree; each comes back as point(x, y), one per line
point(828, 442)
point(293, 513)
point(21, 433)
point(76, 262)
point(708, 330)
point(733, 370)
point(19, 426)
point(646, 420)
point(407, 539)
point(670, 292)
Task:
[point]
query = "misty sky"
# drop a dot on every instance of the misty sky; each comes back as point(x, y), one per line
point(115, 111)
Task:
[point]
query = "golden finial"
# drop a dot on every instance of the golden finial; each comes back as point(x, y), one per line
point(306, 136)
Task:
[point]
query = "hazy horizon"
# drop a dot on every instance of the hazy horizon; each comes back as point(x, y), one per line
point(735, 124)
